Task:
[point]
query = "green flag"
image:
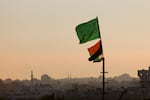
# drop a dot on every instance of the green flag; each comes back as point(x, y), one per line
point(88, 31)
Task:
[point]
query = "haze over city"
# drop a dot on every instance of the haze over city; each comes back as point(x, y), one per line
point(40, 35)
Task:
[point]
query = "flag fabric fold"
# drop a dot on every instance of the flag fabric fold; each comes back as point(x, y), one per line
point(88, 31)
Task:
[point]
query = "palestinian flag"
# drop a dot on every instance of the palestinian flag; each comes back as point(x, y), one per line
point(96, 52)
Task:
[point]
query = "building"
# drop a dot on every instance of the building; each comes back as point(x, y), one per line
point(144, 76)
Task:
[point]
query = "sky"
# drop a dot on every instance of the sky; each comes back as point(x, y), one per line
point(40, 35)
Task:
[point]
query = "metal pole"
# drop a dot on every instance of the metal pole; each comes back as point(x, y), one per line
point(103, 79)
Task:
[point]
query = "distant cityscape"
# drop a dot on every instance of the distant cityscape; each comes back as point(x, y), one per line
point(123, 87)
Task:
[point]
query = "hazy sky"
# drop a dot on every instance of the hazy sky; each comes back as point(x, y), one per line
point(40, 35)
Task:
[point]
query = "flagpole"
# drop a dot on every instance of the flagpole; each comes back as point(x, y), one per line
point(103, 79)
point(103, 96)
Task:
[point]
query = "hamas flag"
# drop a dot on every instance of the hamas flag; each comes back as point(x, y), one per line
point(88, 31)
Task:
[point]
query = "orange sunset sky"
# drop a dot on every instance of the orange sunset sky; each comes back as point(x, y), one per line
point(40, 35)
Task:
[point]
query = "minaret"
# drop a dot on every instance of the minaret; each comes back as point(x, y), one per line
point(31, 78)
point(70, 76)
